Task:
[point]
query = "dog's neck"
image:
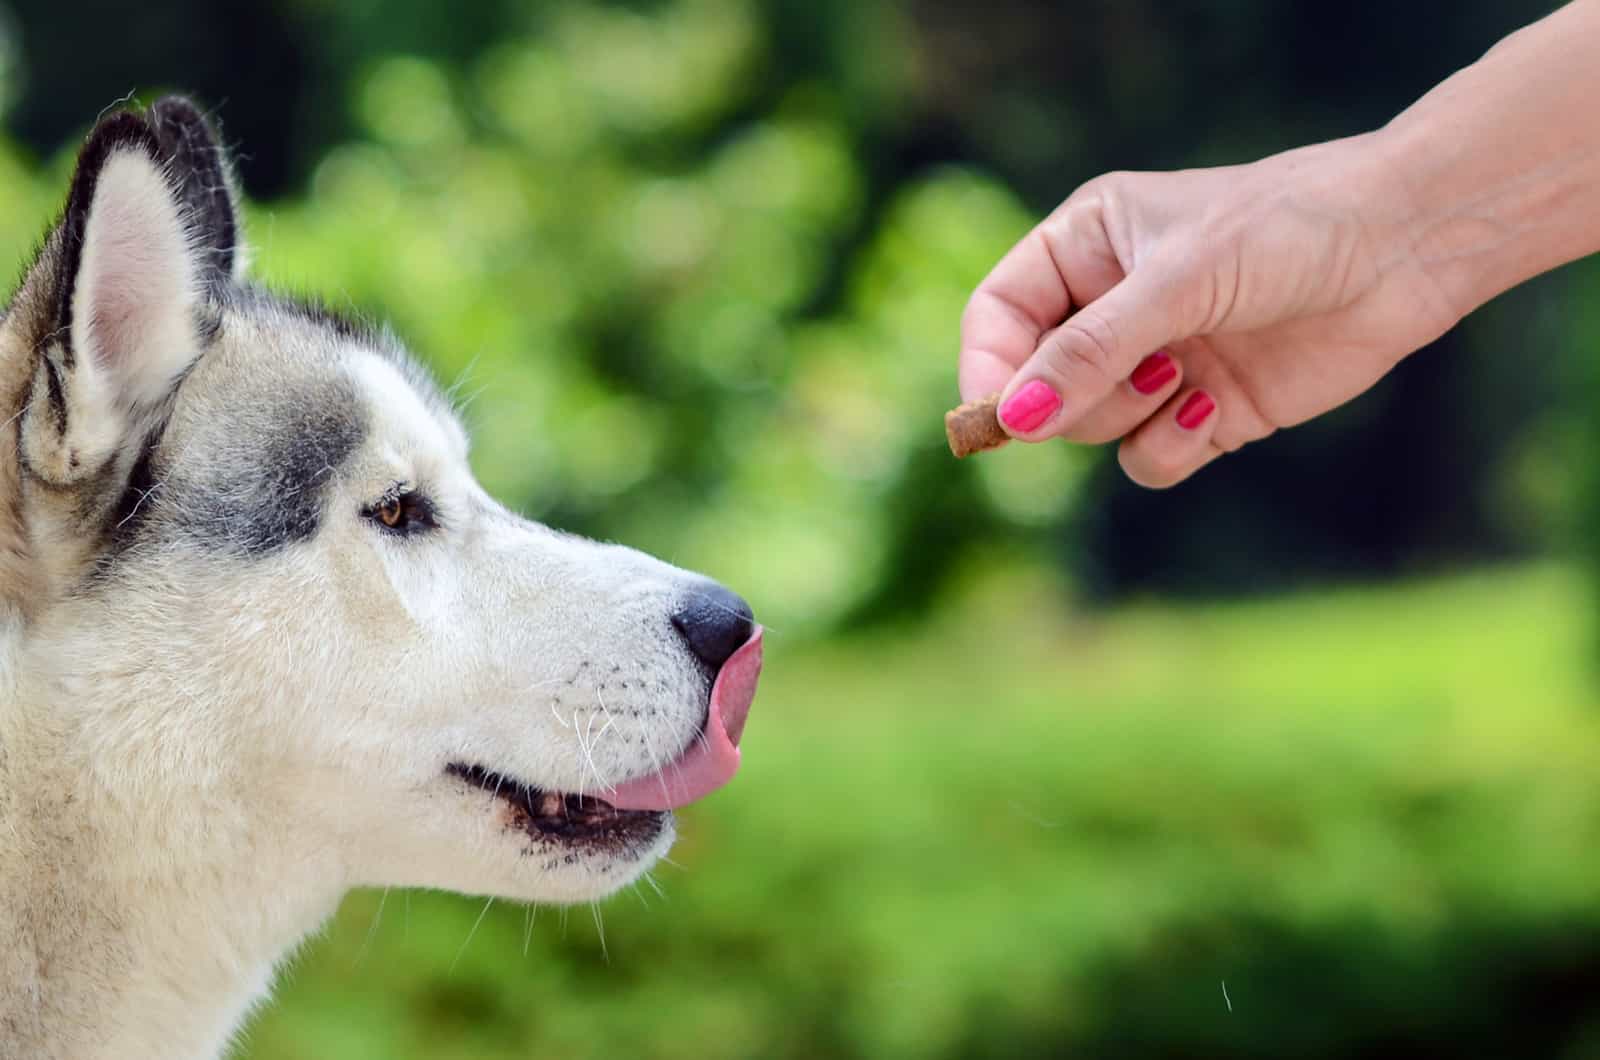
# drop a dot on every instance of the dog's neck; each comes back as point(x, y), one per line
point(132, 928)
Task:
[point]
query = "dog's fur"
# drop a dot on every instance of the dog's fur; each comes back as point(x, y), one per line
point(229, 691)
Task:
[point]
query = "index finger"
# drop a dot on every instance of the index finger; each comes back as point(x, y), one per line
point(1023, 296)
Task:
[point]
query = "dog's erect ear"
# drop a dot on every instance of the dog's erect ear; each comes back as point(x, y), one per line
point(200, 168)
point(148, 233)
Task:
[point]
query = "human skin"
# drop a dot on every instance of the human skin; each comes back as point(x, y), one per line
point(1190, 313)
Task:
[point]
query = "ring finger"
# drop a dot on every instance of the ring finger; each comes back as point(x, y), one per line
point(1133, 401)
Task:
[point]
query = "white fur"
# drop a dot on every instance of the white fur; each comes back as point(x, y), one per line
point(202, 753)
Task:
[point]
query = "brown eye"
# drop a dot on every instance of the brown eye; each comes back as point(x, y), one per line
point(391, 512)
point(402, 511)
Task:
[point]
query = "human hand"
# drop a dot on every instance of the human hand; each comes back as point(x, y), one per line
point(1208, 307)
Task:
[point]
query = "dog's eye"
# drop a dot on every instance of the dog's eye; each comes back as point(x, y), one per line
point(402, 511)
point(391, 512)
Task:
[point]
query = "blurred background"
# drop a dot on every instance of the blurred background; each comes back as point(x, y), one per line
point(1301, 758)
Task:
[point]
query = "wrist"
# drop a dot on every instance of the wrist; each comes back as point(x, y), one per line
point(1496, 172)
point(1415, 231)
point(1361, 185)
point(1434, 223)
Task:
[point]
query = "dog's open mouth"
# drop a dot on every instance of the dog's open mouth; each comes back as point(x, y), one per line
point(635, 809)
point(561, 816)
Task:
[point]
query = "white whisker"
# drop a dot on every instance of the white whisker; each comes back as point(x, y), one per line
point(600, 929)
point(586, 750)
point(564, 723)
point(634, 887)
point(372, 929)
point(475, 924)
point(655, 762)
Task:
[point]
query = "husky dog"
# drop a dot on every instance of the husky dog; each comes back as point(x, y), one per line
point(263, 638)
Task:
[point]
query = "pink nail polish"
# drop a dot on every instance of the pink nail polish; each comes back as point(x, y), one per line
point(1195, 410)
point(1029, 407)
point(1153, 373)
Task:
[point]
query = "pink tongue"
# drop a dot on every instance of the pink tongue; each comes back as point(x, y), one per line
point(710, 763)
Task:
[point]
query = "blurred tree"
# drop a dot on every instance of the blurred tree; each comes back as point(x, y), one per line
point(725, 245)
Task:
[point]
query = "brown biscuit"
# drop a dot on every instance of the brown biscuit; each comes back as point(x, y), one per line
point(974, 427)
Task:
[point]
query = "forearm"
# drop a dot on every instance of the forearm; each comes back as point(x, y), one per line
point(1499, 167)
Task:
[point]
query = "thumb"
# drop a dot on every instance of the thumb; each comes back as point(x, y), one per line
point(1080, 362)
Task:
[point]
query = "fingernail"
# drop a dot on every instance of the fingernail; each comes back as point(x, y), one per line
point(1195, 410)
point(1154, 372)
point(1029, 407)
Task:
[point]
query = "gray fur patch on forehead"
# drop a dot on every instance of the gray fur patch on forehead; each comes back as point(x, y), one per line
point(251, 486)
point(260, 430)
point(268, 491)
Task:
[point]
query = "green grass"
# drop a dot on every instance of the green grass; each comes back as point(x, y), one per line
point(1014, 830)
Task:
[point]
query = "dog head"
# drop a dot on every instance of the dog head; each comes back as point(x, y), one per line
point(261, 578)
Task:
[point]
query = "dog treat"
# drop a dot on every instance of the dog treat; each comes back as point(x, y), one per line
point(974, 427)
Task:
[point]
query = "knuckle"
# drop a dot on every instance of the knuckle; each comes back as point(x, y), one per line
point(1085, 196)
point(1080, 212)
point(1111, 182)
point(1093, 203)
point(1112, 193)
point(1052, 355)
point(1087, 343)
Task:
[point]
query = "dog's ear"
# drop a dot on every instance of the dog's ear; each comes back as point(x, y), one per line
point(201, 169)
point(148, 237)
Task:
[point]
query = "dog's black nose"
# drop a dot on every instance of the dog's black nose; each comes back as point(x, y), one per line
point(715, 621)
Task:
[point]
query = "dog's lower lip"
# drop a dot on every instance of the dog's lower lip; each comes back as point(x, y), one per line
point(558, 815)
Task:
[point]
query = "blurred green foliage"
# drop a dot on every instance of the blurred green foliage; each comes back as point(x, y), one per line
point(698, 264)
point(658, 296)
point(633, 325)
